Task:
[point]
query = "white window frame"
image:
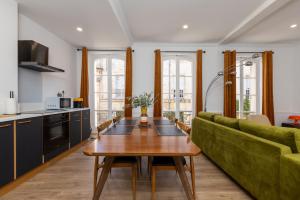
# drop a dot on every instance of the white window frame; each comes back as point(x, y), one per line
point(98, 55)
point(258, 79)
point(177, 57)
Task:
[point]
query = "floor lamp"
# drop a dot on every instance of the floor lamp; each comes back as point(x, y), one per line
point(230, 70)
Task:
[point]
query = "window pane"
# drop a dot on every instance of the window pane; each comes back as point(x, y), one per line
point(238, 89)
point(249, 87)
point(169, 67)
point(118, 96)
point(101, 101)
point(238, 72)
point(118, 67)
point(185, 68)
point(100, 66)
point(250, 71)
point(168, 102)
point(101, 84)
point(118, 104)
point(118, 84)
point(101, 116)
point(169, 84)
point(186, 84)
point(186, 103)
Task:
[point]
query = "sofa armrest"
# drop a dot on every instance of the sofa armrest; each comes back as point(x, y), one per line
point(290, 176)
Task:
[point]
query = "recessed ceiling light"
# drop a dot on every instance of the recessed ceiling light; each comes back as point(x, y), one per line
point(79, 29)
point(185, 26)
point(293, 26)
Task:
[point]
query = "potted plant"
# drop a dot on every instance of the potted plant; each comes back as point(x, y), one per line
point(144, 101)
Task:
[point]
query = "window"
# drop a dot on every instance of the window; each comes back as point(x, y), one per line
point(248, 85)
point(177, 87)
point(109, 86)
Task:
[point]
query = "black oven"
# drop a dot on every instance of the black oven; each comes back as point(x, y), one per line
point(55, 135)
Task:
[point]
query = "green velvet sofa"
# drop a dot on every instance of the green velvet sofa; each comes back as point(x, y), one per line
point(264, 160)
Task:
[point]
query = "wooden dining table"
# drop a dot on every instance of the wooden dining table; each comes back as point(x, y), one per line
point(142, 141)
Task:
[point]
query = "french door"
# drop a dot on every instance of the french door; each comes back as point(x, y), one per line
point(178, 87)
point(109, 86)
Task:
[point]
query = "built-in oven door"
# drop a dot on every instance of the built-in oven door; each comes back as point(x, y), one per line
point(56, 132)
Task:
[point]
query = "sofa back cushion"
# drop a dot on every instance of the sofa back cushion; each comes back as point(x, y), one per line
point(227, 121)
point(207, 115)
point(287, 136)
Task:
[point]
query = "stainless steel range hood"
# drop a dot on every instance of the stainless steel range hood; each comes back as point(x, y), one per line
point(34, 56)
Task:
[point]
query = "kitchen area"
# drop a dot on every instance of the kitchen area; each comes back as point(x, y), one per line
point(40, 116)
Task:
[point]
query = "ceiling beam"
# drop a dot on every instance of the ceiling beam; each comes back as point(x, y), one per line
point(120, 15)
point(258, 15)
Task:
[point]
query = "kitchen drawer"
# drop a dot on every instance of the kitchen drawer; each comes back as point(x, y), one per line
point(29, 137)
point(6, 152)
point(75, 115)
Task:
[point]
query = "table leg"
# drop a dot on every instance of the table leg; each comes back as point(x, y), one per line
point(102, 179)
point(183, 178)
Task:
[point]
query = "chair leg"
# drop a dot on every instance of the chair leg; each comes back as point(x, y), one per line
point(96, 172)
point(139, 165)
point(133, 180)
point(192, 166)
point(153, 182)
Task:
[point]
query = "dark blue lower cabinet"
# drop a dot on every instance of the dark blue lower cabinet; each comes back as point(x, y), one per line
point(6, 152)
point(86, 124)
point(29, 146)
point(75, 128)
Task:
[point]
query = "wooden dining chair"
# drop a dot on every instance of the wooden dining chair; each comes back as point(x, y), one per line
point(119, 162)
point(167, 163)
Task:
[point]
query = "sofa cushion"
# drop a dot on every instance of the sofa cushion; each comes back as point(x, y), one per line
point(287, 136)
point(207, 115)
point(227, 121)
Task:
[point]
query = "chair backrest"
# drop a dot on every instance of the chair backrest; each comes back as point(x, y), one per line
point(117, 119)
point(259, 119)
point(183, 127)
point(104, 125)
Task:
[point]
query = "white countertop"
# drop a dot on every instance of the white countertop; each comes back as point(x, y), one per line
point(27, 115)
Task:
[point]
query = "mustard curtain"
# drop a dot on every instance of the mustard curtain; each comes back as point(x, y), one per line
point(157, 110)
point(199, 94)
point(267, 90)
point(128, 82)
point(229, 84)
point(84, 86)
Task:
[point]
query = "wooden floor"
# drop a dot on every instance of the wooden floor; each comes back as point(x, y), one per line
point(71, 179)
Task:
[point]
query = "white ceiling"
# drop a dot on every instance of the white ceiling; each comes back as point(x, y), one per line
point(162, 20)
point(276, 27)
point(118, 23)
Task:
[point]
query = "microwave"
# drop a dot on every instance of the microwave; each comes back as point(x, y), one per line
point(55, 103)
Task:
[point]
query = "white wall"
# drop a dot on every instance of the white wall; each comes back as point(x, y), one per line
point(61, 55)
point(286, 60)
point(8, 48)
point(285, 79)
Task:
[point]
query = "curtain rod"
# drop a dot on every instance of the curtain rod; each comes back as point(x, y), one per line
point(105, 50)
point(248, 52)
point(181, 51)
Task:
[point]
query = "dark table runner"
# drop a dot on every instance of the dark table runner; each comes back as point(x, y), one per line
point(119, 130)
point(163, 122)
point(169, 131)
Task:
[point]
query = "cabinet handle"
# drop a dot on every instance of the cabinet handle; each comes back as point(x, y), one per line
point(78, 120)
point(25, 122)
point(5, 126)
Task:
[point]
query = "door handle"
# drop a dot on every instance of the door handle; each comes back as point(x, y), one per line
point(25, 122)
point(5, 126)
